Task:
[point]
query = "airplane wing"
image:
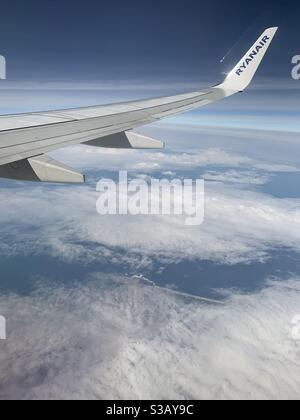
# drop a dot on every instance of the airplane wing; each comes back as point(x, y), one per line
point(25, 139)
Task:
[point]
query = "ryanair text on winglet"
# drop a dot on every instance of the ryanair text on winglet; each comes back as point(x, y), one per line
point(251, 57)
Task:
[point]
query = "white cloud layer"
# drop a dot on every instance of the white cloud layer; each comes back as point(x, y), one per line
point(237, 177)
point(133, 341)
point(119, 338)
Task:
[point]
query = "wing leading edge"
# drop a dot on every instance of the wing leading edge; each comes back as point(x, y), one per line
point(26, 138)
